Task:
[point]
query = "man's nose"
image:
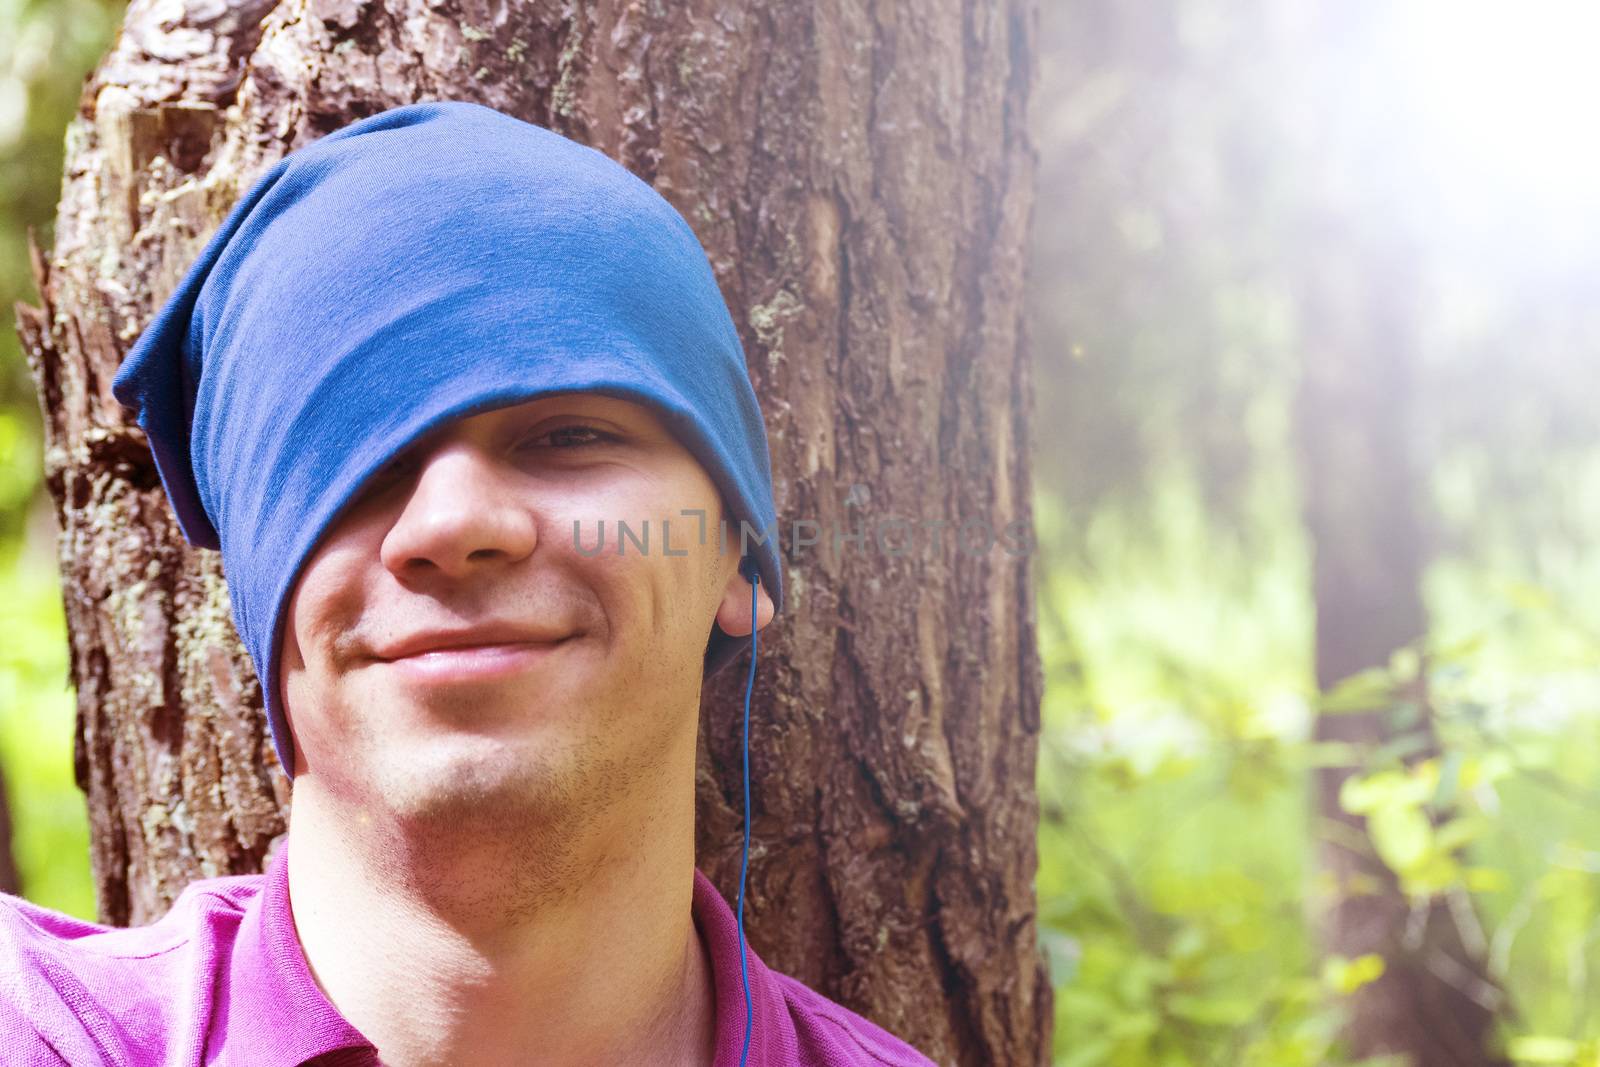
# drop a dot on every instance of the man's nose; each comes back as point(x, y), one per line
point(462, 514)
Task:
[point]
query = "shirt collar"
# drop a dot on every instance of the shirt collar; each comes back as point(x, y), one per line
point(719, 928)
point(279, 1015)
point(277, 1012)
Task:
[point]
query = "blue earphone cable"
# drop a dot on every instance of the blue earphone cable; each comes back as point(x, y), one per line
point(744, 858)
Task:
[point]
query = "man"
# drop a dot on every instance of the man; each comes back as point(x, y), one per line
point(421, 370)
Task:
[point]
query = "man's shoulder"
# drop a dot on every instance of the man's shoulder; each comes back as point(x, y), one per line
point(203, 906)
point(71, 988)
point(829, 1033)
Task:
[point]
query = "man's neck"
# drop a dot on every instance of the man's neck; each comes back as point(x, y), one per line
point(569, 948)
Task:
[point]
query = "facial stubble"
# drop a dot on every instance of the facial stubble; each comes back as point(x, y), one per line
point(516, 827)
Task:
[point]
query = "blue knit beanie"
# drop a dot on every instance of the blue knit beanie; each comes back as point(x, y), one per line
point(426, 263)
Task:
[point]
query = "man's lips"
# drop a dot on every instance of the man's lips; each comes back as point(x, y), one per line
point(473, 663)
point(486, 636)
point(485, 652)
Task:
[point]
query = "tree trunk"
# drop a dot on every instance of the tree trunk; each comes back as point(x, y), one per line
point(862, 180)
point(1434, 1003)
point(9, 882)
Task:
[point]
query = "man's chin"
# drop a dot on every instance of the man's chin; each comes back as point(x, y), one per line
point(484, 781)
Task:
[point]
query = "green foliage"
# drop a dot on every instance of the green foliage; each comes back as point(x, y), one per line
point(20, 462)
point(49, 819)
point(1173, 853)
point(46, 48)
point(1180, 148)
point(1175, 846)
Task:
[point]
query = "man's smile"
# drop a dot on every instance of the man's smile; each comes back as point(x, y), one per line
point(484, 634)
point(474, 663)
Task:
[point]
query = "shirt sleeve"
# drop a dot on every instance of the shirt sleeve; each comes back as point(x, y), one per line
point(23, 1044)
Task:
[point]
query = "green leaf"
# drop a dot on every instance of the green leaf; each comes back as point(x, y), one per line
point(1345, 976)
point(1405, 664)
point(1444, 794)
point(1367, 690)
point(1535, 1049)
point(1486, 880)
point(1401, 834)
point(1213, 1010)
point(1457, 833)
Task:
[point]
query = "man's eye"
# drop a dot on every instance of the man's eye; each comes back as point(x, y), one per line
point(399, 471)
point(382, 481)
point(565, 437)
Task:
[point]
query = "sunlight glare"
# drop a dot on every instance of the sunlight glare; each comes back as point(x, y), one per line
point(1505, 98)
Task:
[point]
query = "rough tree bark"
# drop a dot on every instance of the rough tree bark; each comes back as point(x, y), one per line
point(1434, 1003)
point(862, 178)
point(9, 882)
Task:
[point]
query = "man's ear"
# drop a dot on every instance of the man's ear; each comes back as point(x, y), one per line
point(290, 657)
point(733, 614)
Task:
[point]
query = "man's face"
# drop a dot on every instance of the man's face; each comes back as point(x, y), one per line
point(584, 669)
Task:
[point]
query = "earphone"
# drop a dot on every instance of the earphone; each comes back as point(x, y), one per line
point(744, 858)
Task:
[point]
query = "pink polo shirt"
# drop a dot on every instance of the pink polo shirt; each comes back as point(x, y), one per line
point(220, 979)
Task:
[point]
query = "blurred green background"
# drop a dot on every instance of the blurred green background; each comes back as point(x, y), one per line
point(1206, 167)
point(46, 48)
